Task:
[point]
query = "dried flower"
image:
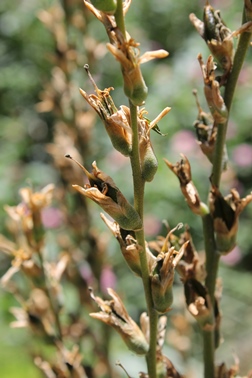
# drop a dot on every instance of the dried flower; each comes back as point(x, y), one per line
point(129, 246)
point(116, 122)
point(102, 190)
point(191, 265)
point(225, 212)
point(126, 51)
point(114, 314)
point(212, 91)
point(28, 213)
point(182, 170)
point(217, 36)
point(199, 304)
point(162, 274)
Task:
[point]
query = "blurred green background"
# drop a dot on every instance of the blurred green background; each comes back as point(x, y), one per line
point(26, 48)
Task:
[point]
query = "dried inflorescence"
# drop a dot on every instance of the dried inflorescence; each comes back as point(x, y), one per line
point(225, 212)
point(114, 313)
point(182, 170)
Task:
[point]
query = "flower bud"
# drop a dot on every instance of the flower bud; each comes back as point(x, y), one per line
point(104, 192)
point(148, 160)
point(115, 314)
point(106, 6)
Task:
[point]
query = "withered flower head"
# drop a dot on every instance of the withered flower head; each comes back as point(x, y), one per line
point(182, 170)
point(162, 274)
point(213, 96)
point(28, 213)
point(191, 265)
point(114, 314)
point(198, 303)
point(126, 51)
point(129, 247)
point(217, 36)
point(116, 122)
point(205, 130)
point(165, 368)
point(102, 190)
point(225, 212)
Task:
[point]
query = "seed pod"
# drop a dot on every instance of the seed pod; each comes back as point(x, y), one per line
point(106, 6)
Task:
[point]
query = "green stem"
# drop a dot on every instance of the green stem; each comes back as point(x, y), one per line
point(240, 54)
point(212, 260)
point(208, 340)
point(228, 98)
point(218, 154)
point(212, 255)
point(138, 183)
point(119, 17)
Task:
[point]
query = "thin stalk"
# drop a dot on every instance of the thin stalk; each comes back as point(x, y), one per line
point(48, 292)
point(119, 17)
point(138, 184)
point(239, 57)
point(208, 340)
point(212, 260)
point(212, 255)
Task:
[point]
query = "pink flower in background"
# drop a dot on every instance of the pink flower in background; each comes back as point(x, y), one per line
point(152, 225)
point(233, 257)
point(108, 279)
point(86, 274)
point(242, 155)
point(52, 217)
point(184, 141)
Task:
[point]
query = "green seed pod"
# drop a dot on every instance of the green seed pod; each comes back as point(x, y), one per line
point(106, 6)
point(134, 86)
point(149, 163)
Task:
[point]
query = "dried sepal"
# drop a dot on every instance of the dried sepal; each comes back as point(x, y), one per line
point(162, 275)
point(126, 51)
point(225, 212)
point(213, 96)
point(199, 303)
point(114, 314)
point(28, 213)
point(129, 247)
point(102, 190)
point(116, 122)
point(191, 265)
point(182, 170)
point(165, 368)
point(217, 36)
